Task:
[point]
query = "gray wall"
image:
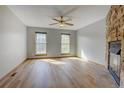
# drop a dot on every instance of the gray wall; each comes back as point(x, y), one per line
point(12, 41)
point(91, 42)
point(53, 39)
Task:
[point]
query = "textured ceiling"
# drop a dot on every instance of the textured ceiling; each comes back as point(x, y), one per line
point(41, 15)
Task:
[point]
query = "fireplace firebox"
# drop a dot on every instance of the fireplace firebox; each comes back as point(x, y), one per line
point(114, 60)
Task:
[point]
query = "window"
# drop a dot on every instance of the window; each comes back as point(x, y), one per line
point(65, 43)
point(41, 43)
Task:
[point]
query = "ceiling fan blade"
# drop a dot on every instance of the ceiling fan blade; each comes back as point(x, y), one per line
point(69, 24)
point(56, 20)
point(68, 20)
point(53, 24)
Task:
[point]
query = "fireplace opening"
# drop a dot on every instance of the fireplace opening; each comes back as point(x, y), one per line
point(114, 60)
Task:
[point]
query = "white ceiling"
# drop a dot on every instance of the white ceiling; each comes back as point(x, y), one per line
point(41, 15)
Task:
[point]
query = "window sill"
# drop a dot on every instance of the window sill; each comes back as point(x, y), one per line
point(65, 54)
point(40, 54)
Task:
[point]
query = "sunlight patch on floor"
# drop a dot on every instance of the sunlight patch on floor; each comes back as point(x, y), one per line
point(53, 61)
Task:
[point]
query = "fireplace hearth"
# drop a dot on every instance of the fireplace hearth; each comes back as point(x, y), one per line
point(114, 60)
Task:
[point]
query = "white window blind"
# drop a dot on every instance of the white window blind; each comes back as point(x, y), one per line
point(41, 42)
point(65, 43)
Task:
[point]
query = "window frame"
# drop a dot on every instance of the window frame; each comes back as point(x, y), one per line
point(69, 43)
point(45, 54)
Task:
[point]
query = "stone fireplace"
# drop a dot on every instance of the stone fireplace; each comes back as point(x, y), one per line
point(115, 43)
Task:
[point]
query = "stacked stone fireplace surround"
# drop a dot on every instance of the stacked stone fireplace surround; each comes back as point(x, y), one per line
point(115, 32)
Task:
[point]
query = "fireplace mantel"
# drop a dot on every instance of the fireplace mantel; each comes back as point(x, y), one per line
point(115, 32)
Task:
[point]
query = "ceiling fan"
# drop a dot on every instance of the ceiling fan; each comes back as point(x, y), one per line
point(62, 21)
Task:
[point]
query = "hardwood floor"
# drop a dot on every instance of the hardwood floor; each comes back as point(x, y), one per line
point(69, 72)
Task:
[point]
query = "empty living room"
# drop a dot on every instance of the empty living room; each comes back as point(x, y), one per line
point(61, 46)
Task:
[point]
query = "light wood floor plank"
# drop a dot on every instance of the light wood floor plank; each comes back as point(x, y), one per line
point(69, 72)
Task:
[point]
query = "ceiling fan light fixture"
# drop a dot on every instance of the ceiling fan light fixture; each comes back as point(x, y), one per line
point(61, 25)
point(62, 21)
